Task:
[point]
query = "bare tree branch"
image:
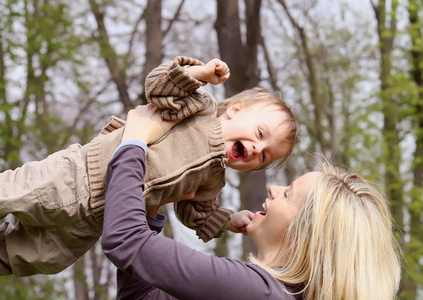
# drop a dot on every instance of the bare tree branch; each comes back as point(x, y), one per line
point(108, 53)
point(175, 17)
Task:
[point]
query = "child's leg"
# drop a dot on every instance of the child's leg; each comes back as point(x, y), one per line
point(47, 192)
point(51, 200)
point(58, 204)
point(5, 228)
point(27, 250)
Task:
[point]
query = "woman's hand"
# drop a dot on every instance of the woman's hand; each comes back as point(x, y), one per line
point(145, 124)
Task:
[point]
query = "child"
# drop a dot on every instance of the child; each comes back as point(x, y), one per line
point(59, 201)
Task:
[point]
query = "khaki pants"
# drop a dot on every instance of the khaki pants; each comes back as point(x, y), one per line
point(54, 226)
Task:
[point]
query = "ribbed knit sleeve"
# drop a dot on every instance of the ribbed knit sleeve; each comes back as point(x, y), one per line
point(172, 89)
point(205, 217)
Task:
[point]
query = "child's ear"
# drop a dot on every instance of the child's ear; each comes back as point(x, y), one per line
point(233, 109)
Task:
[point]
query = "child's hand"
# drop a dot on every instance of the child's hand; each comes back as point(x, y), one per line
point(240, 220)
point(144, 123)
point(214, 72)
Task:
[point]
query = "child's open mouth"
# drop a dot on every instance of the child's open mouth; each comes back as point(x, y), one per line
point(238, 151)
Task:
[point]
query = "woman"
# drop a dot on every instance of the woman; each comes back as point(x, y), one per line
point(326, 236)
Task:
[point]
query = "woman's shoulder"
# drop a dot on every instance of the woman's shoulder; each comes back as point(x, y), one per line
point(258, 280)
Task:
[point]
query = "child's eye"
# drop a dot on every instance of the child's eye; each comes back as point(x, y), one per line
point(263, 156)
point(285, 193)
point(260, 134)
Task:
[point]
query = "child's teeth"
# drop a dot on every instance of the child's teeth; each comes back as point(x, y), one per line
point(264, 206)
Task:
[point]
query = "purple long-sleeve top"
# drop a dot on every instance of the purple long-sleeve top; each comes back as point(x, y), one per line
point(152, 266)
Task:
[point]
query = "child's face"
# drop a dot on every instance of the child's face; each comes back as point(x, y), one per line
point(252, 135)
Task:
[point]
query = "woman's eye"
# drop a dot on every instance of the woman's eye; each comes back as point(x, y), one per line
point(285, 193)
point(263, 156)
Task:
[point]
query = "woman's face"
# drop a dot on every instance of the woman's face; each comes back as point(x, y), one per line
point(267, 228)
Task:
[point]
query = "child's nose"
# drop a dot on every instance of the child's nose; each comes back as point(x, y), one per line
point(257, 148)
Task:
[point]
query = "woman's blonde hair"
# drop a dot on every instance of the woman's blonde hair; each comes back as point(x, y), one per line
point(341, 243)
point(256, 96)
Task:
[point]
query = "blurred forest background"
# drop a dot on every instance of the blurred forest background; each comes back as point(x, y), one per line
point(352, 71)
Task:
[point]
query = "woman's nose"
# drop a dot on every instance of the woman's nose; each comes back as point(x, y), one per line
point(273, 191)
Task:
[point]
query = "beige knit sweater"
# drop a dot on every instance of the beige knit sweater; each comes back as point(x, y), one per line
point(191, 155)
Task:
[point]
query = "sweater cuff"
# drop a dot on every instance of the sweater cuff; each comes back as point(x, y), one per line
point(214, 225)
point(180, 78)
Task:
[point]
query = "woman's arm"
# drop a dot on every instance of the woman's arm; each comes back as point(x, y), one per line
point(170, 266)
point(130, 288)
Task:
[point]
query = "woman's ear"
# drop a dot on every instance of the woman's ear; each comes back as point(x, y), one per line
point(233, 109)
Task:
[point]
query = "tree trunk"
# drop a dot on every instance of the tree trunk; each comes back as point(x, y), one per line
point(154, 41)
point(414, 251)
point(242, 60)
point(231, 49)
point(80, 280)
point(394, 187)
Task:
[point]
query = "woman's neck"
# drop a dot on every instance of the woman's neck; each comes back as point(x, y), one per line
point(266, 254)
